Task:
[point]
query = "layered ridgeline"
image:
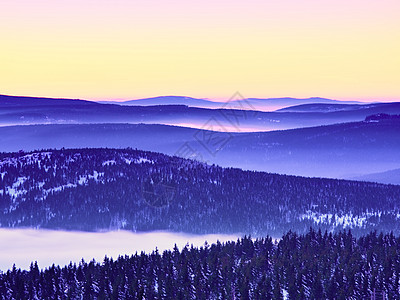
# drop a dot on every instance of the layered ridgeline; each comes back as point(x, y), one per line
point(344, 151)
point(223, 117)
point(103, 189)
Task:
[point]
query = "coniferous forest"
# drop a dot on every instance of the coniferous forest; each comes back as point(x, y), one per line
point(312, 266)
point(108, 189)
point(318, 256)
point(205, 150)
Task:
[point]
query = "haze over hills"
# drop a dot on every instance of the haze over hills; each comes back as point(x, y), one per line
point(337, 151)
point(269, 104)
point(169, 100)
point(334, 107)
point(19, 111)
point(342, 150)
point(261, 104)
point(388, 177)
point(103, 189)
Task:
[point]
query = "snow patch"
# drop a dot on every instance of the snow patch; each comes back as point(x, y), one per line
point(285, 294)
point(143, 160)
point(139, 160)
point(28, 159)
point(14, 190)
point(83, 179)
point(348, 220)
point(109, 163)
point(59, 188)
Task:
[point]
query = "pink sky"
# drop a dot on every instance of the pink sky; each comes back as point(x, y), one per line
point(134, 49)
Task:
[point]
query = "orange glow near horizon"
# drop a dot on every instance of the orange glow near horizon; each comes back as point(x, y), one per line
point(123, 50)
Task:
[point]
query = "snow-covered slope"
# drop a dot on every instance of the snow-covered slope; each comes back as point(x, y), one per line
point(103, 189)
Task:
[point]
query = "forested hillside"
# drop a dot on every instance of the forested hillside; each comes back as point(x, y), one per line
point(343, 151)
point(103, 189)
point(311, 266)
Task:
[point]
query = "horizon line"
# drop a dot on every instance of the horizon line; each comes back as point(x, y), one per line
point(216, 99)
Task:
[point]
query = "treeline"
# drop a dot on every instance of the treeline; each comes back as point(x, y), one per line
point(311, 266)
point(93, 189)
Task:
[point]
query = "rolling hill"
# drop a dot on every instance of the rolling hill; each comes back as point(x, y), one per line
point(168, 100)
point(26, 111)
point(372, 108)
point(337, 151)
point(237, 102)
point(108, 189)
point(23, 102)
point(388, 177)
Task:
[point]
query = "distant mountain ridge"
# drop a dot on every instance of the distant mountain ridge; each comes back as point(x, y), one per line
point(261, 104)
point(168, 100)
point(388, 177)
point(340, 151)
point(18, 101)
point(25, 111)
point(333, 107)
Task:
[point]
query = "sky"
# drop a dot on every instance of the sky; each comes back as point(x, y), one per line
point(130, 49)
